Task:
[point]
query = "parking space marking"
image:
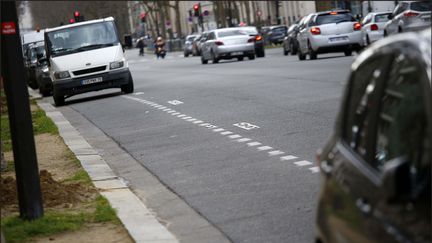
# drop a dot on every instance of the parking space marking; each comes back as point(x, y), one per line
point(276, 152)
point(235, 137)
point(264, 148)
point(253, 144)
point(314, 169)
point(302, 163)
point(288, 157)
point(242, 140)
point(226, 133)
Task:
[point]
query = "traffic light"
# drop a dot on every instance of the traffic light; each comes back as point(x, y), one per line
point(78, 17)
point(143, 17)
point(196, 8)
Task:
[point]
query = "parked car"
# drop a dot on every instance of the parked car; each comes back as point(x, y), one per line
point(187, 50)
point(409, 16)
point(373, 27)
point(331, 31)
point(376, 168)
point(86, 56)
point(33, 51)
point(290, 44)
point(43, 76)
point(195, 45)
point(227, 43)
point(259, 40)
point(198, 43)
point(274, 34)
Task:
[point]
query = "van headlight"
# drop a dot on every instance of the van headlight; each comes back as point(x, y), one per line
point(61, 75)
point(115, 65)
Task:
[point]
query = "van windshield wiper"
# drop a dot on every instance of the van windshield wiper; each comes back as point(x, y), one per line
point(94, 46)
point(55, 51)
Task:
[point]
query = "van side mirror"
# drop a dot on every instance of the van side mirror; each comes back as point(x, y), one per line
point(395, 180)
point(390, 16)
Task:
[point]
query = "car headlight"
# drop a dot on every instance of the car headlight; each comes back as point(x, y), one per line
point(115, 65)
point(61, 75)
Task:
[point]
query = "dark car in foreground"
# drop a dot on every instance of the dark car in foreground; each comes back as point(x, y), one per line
point(274, 34)
point(376, 168)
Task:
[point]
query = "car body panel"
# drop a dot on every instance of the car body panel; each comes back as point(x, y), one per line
point(370, 35)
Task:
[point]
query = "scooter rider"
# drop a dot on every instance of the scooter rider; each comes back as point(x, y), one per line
point(160, 47)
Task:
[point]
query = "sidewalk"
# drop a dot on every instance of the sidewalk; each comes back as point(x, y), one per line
point(135, 216)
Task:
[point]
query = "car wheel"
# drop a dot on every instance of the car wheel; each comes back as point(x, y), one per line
point(400, 30)
point(385, 33)
point(43, 91)
point(293, 50)
point(348, 53)
point(59, 100)
point(240, 59)
point(367, 40)
point(312, 54)
point(186, 54)
point(260, 53)
point(203, 61)
point(214, 59)
point(129, 87)
point(301, 56)
point(251, 57)
point(285, 52)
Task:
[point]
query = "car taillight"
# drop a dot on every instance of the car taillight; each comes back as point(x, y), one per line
point(374, 27)
point(251, 40)
point(219, 43)
point(258, 38)
point(410, 14)
point(315, 31)
point(357, 26)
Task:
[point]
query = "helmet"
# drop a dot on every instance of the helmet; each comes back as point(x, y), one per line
point(159, 38)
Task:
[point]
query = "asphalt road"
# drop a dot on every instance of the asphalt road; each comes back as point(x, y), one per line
point(256, 182)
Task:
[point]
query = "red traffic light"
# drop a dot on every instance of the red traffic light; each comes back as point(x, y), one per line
point(71, 21)
point(76, 14)
point(196, 6)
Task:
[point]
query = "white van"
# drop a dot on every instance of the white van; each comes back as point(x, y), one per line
point(86, 56)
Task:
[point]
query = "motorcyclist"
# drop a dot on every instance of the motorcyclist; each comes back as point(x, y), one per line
point(141, 45)
point(160, 47)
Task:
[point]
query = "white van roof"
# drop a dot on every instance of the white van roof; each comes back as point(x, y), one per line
point(32, 37)
point(79, 23)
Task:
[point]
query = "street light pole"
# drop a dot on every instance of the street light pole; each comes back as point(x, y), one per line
point(23, 144)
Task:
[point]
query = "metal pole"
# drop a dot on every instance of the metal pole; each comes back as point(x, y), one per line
point(15, 84)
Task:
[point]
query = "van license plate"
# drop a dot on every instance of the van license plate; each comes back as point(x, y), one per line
point(91, 80)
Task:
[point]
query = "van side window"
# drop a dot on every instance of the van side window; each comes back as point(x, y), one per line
point(359, 104)
point(402, 122)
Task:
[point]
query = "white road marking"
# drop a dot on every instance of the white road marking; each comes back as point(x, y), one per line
point(209, 126)
point(264, 148)
point(218, 130)
point(171, 111)
point(182, 115)
point(276, 152)
point(162, 107)
point(246, 126)
point(242, 140)
point(175, 102)
point(198, 122)
point(166, 109)
point(253, 144)
point(191, 120)
point(303, 163)
point(138, 93)
point(288, 157)
point(186, 117)
point(235, 136)
point(175, 113)
point(314, 169)
point(226, 133)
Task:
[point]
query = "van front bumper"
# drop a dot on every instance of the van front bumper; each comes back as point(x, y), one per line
point(73, 86)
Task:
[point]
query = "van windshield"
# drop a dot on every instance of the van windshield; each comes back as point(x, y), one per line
point(82, 38)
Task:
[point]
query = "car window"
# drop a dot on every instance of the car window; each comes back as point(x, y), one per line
point(400, 8)
point(402, 122)
point(421, 6)
point(227, 33)
point(360, 101)
point(334, 18)
point(367, 19)
point(190, 38)
point(381, 18)
point(279, 29)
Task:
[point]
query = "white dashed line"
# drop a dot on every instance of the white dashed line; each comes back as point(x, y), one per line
point(242, 140)
point(182, 115)
point(253, 144)
point(226, 133)
point(235, 136)
point(204, 124)
point(162, 107)
point(175, 113)
point(288, 157)
point(171, 111)
point(303, 163)
point(264, 148)
point(198, 122)
point(191, 120)
point(186, 117)
point(218, 130)
point(314, 169)
point(276, 152)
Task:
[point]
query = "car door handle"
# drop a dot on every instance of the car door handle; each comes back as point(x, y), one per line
point(363, 205)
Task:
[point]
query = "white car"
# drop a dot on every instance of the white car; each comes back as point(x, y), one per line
point(409, 16)
point(373, 27)
point(326, 32)
point(227, 43)
point(86, 56)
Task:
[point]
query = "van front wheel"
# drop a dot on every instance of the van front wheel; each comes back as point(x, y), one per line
point(129, 87)
point(59, 100)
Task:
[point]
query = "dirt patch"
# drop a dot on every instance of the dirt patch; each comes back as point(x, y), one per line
point(53, 156)
point(93, 233)
point(54, 193)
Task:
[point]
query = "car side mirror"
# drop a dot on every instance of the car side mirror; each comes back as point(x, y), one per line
point(395, 179)
point(390, 16)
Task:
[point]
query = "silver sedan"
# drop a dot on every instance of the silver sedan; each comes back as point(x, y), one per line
point(227, 43)
point(373, 27)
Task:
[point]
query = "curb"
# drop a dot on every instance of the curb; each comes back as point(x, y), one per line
point(140, 223)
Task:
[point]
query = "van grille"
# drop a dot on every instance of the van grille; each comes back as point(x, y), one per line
point(90, 70)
